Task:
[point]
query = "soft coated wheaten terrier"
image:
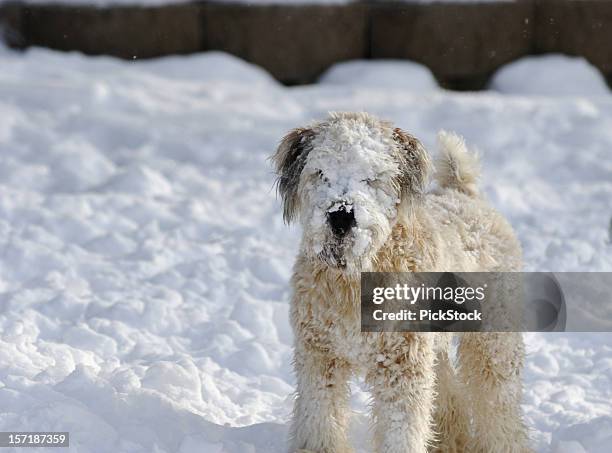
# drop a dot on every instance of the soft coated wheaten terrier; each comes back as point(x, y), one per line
point(358, 187)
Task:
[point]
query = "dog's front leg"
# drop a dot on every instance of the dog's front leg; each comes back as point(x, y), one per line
point(401, 379)
point(320, 412)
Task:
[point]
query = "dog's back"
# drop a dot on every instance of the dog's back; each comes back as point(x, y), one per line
point(478, 236)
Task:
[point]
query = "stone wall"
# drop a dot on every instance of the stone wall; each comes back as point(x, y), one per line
point(294, 43)
point(462, 43)
point(579, 27)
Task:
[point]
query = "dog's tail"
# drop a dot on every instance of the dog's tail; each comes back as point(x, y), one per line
point(456, 167)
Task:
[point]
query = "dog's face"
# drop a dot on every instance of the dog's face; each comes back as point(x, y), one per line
point(346, 180)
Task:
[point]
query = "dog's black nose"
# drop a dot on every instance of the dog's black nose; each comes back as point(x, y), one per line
point(341, 221)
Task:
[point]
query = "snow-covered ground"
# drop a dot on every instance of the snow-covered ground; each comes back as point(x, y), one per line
point(144, 261)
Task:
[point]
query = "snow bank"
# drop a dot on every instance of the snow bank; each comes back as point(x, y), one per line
point(209, 66)
point(391, 74)
point(144, 261)
point(550, 75)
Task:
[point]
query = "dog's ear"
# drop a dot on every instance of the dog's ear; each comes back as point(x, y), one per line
point(289, 160)
point(415, 163)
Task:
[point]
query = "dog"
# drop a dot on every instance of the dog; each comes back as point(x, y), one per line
point(360, 189)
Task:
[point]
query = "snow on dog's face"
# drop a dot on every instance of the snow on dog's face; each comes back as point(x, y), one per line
point(345, 179)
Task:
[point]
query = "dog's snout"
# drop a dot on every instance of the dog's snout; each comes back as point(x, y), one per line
point(341, 220)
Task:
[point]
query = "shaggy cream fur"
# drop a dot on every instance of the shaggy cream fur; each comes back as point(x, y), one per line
point(377, 175)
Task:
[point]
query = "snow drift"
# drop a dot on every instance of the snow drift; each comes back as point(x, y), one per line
point(144, 260)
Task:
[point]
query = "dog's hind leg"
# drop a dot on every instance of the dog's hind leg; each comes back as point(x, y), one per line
point(452, 417)
point(401, 379)
point(490, 365)
point(320, 412)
